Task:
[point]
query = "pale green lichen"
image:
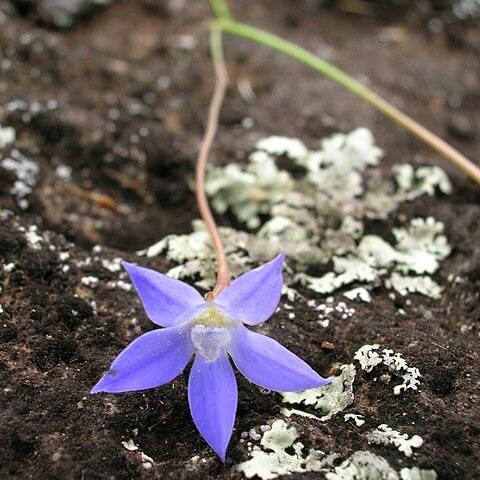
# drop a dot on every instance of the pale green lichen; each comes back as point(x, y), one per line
point(274, 460)
point(316, 217)
point(248, 192)
point(7, 136)
point(281, 453)
point(423, 181)
point(408, 284)
point(329, 400)
point(355, 150)
point(359, 293)
point(385, 435)
point(196, 259)
point(288, 412)
point(369, 358)
point(419, 248)
point(416, 473)
point(382, 198)
point(329, 189)
point(357, 419)
point(363, 465)
point(290, 147)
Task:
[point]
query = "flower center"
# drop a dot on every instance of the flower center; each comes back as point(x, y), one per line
point(211, 333)
point(213, 317)
point(210, 342)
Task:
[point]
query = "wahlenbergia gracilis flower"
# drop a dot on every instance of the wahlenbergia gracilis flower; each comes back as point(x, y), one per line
point(212, 331)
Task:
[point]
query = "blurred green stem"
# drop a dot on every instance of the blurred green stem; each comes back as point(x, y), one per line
point(220, 9)
point(225, 23)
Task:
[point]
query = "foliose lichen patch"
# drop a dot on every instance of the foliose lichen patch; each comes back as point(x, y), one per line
point(397, 368)
point(280, 453)
point(317, 216)
point(385, 435)
point(271, 459)
point(328, 400)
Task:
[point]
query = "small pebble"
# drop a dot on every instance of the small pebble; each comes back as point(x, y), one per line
point(9, 267)
point(327, 346)
point(56, 456)
point(63, 256)
point(461, 126)
point(90, 281)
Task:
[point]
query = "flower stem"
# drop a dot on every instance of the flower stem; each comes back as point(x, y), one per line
point(221, 80)
point(220, 9)
point(228, 25)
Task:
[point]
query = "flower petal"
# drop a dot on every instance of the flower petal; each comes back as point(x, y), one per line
point(167, 301)
point(253, 297)
point(151, 360)
point(270, 365)
point(212, 395)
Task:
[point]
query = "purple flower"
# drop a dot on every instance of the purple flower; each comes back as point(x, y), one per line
point(212, 331)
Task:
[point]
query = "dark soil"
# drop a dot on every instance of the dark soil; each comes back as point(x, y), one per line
point(121, 98)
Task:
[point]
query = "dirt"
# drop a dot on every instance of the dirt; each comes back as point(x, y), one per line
point(121, 98)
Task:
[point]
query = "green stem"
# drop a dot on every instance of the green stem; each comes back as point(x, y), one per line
point(334, 73)
point(220, 9)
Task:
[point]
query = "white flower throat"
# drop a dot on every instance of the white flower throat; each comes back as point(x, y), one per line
point(211, 333)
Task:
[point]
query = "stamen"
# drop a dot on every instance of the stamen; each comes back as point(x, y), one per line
point(213, 317)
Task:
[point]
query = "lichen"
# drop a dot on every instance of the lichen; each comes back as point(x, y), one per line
point(280, 452)
point(328, 186)
point(314, 213)
point(357, 419)
point(274, 460)
point(385, 435)
point(360, 293)
point(409, 284)
point(248, 192)
point(369, 358)
point(423, 181)
point(363, 465)
point(419, 248)
point(290, 147)
point(195, 258)
point(330, 399)
point(7, 136)
point(416, 473)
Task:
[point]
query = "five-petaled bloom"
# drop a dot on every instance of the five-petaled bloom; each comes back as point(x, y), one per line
point(212, 331)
